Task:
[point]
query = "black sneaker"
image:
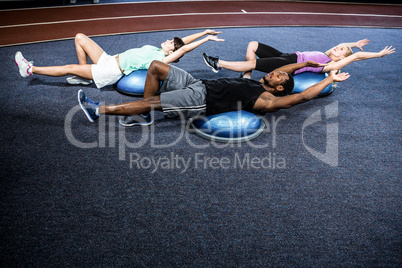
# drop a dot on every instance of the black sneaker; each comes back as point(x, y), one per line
point(212, 62)
point(137, 120)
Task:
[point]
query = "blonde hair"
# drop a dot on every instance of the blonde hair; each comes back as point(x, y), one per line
point(349, 52)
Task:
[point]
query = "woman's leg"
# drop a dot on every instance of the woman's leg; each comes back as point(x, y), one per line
point(251, 50)
point(267, 65)
point(238, 66)
point(82, 70)
point(265, 51)
point(87, 47)
point(84, 47)
point(255, 49)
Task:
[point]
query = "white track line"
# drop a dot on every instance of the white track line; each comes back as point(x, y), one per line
point(201, 14)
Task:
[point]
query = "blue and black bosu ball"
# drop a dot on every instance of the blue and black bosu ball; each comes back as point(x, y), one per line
point(230, 127)
point(132, 84)
point(307, 79)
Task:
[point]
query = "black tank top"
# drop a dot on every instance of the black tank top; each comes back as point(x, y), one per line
point(232, 94)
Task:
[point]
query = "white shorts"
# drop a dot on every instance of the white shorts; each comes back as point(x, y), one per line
point(106, 72)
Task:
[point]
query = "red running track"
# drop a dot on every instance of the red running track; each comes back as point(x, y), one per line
point(43, 24)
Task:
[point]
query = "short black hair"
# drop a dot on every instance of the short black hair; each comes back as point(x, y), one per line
point(288, 86)
point(178, 43)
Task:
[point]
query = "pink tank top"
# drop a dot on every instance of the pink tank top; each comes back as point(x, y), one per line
point(316, 56)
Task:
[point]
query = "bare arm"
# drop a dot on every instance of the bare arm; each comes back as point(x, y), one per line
point(191, 38)
point(277, 103)
point(290, 68)
point(359, 44)
point(337, 65)
point(189, 47)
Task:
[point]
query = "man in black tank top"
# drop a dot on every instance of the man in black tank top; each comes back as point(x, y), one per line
point(228, 94)
point(182, 94)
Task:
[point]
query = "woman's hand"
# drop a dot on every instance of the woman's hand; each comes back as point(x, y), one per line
point(386, 51)
point(213, 32)
point(215, 38)
point(361, 43)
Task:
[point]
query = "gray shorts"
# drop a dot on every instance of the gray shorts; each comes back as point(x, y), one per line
point(182, 95)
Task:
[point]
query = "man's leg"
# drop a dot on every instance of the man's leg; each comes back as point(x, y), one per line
point(157, 72)
point(93, 109)
point(133, 108)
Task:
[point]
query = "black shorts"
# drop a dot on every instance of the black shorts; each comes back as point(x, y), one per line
point(271, 58)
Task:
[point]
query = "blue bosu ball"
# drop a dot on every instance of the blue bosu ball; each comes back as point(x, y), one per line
point(236, 126)
point(132, 84)
point(307, 79)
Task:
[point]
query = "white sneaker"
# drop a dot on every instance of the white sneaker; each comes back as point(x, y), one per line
point(138, 120)
point(76, 80)
point(24, 66)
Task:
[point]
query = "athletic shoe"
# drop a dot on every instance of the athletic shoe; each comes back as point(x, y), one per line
point(88, 106)
point(24, 66)
point(212, 62)
point(137, 120)
point(245, 77)
point(76, 80)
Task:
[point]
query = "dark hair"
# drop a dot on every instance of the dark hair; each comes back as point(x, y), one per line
point(178, 43)
point(287, 86)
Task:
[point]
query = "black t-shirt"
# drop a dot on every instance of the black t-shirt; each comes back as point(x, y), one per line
point(232, 94)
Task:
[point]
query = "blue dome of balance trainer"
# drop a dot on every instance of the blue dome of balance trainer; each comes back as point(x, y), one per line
point(132, 84)
point(236, 126)
point(307, 79)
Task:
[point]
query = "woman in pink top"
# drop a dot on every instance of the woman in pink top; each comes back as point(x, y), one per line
point(270, 58)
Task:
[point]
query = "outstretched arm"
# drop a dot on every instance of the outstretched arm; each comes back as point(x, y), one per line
point(290, 68)
point(278, 103)
point(191, 38)
point(337, 65)
point(189, 47)
point(359, 44)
